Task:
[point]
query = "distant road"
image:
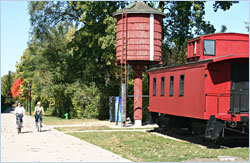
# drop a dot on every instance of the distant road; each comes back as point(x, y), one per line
point(46, 146)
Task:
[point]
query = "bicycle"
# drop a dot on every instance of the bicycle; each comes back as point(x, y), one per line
point(19, 123)
point(39, 124)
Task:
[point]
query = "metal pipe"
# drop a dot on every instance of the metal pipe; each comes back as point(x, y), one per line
point(126, 20)
point(122, 48)
point(118, 109)
point(27, 102)
point(121, 64)
point(138, 96)
point(30, 84)
point(218, 104)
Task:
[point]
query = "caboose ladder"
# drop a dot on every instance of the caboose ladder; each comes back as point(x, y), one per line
point(124, 69)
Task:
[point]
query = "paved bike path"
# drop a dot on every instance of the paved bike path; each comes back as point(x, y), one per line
point(47, 146)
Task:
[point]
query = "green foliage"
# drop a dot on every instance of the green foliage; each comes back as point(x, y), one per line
point(6, 84)
point(223, 29)
point(224, 5)
point(247, 26)
point(85, 100)
point(184, 20)
point(4, 106)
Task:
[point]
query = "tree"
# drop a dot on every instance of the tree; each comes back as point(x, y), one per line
point(6, 84)
point(223, 29)
point(85, 100)
point(15, 89)
point(92, 46)
point(50, 78)
point(247, 26)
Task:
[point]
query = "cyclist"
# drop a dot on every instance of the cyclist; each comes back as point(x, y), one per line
point(38, 112)
point(19, 112)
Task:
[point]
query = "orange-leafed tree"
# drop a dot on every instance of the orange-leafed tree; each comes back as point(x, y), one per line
point(16, 88)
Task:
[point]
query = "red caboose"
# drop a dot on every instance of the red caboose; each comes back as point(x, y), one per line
point(210, 92)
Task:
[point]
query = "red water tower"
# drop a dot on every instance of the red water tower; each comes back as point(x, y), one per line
point(139, 42)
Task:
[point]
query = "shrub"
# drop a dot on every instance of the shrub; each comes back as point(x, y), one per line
point(85, 100)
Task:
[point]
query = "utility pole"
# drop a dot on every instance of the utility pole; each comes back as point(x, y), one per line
point(30, 85)
point(27, 99)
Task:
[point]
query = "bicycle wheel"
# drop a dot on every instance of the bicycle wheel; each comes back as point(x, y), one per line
point(19, 130)
point(39, 126)
point(18, 123)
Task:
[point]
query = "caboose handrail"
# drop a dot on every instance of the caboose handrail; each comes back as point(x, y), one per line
point(217, 94)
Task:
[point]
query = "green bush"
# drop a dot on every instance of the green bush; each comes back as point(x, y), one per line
point(85, 100)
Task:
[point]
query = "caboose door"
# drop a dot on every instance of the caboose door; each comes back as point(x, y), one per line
point(239, 100)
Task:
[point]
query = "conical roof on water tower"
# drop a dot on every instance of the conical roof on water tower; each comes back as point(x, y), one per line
point(139, 7)
point(139, 34)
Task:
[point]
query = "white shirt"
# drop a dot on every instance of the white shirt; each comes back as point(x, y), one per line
point(19, 110)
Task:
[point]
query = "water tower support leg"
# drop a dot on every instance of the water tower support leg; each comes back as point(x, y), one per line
point(138, 94)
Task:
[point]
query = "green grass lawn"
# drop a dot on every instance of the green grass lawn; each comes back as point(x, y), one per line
point(147, 147)
point(53, 120)
point(82, 128)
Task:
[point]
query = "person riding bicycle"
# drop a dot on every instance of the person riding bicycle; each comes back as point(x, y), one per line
point(19, 112)
point(38, 112)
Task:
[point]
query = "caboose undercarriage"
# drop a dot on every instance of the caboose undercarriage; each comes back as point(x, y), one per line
point(212, 129)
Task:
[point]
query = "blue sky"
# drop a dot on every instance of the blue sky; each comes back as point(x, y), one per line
point(234, 18)
point(15, 27)
point(14, 33)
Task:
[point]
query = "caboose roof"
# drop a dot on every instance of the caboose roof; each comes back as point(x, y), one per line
point(216, 34)
point(165, 67)
point(215, 59)
point(139, 7)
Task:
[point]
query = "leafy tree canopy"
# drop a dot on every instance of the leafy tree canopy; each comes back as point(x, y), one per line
point(6, 84)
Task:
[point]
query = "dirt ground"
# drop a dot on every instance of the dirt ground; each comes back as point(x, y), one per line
point(47, 146)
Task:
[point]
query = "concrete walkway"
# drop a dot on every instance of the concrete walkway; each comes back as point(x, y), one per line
point(107, 123)
point(47, 146)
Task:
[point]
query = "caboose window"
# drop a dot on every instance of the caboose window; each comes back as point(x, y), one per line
point(154, 86)
point(171, 87)
point(194, 48)
point(209, 47)
point(181, 91)
point(162, 85)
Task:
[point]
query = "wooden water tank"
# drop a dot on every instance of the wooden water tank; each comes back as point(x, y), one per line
point(139, 34)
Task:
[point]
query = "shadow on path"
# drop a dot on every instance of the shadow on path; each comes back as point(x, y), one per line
point(46, 130)
point(9, 110)
point(26, 132)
